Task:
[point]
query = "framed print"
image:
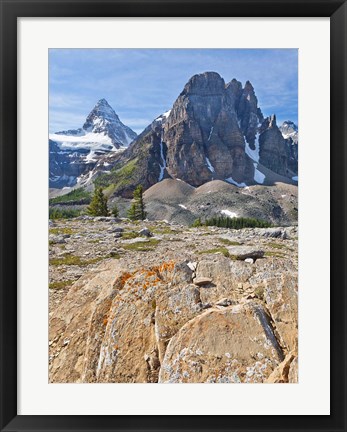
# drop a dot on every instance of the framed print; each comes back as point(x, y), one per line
point(183, 231)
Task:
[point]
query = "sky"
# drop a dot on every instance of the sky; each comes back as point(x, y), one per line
point(141, 84)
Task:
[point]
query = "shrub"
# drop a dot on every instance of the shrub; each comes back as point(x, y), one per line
point(197, 223)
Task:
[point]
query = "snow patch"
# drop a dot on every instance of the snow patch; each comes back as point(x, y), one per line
point(229, 213)
point(259, 177)
point(295, 178)
point(90, 140)
point(209, 165)
point(253, 154)
point(183, 206)
point(163, 166)
point(209, 137)
point(90, 157)
point(232, 181)
point(128, 138)
point(166, 114)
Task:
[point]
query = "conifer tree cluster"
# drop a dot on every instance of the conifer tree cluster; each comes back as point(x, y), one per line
point(234, 223)
point(98, 205)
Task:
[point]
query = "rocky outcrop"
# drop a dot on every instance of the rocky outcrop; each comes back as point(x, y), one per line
point(158, 323)
point(229, 345)
point(202, 134)
point(275, 152)
point(248, 112)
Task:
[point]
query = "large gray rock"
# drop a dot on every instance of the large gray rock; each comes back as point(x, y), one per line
point(243, 252)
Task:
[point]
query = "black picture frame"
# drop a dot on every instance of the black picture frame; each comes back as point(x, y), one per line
point(13, 9)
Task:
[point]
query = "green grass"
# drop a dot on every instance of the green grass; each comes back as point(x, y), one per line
point(221, 250)
point(61, 231)
point(129, 235)
point(61, 284)
point(70, 260)
point(108, 191)
point(276, 245)
point(77, 196)
point(118, 177)
point(229, 242)
point(114, 255)
point(164, 230)
point(142, 246)
point(274, 254)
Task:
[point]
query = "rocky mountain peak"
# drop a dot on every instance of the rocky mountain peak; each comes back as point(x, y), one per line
point(101, 114)
point(207, 83)
point(75, 153)
point(249, 114)
point(290, 130)
point(103, 120)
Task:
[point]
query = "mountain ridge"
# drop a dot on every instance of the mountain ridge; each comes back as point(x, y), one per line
point(215, 130)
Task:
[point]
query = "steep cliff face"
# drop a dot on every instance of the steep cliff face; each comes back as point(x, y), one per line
point(202, 135)
point(249, 114)
point(277, 153)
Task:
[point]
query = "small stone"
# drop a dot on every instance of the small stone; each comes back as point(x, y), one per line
point(145, 232)
point(200, 281)
point(116, 230)
point(57, 239)
point(66, 342)
point(249, 260)
point(223, 302)
point(272, 232)
point(192, 265)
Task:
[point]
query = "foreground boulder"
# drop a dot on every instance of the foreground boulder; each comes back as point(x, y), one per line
point(233, 345)
point(154, 324)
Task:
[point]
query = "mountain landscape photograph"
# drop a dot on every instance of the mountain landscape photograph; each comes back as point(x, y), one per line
point(173, 216)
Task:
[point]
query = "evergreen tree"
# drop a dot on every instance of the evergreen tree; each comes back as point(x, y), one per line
point(137, 208)
point(115, 211)
point(98, 204)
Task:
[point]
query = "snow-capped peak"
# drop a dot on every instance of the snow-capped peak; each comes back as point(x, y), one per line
point(289, 130)
point(102, 124)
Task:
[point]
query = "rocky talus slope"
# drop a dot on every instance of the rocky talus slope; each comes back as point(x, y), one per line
point(156, 302)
